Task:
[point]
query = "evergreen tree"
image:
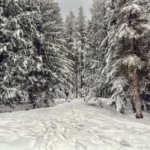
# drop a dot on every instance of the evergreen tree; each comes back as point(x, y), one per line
point(76, 36)
point(13, 46)
point(125, 52)
point(81, 46)
point(70, 30)
point(97, 32)
point(33, 53)
point(53, 72)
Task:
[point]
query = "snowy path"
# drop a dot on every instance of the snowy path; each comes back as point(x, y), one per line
point(72, 126)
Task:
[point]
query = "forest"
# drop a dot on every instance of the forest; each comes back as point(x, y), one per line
point(44, 57)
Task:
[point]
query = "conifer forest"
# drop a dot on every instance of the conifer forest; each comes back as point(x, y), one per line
point(70, 82)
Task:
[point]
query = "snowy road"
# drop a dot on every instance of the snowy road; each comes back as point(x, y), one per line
point(72, 126)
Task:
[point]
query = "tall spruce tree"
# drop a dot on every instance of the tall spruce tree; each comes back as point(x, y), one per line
point(81, 46)
point(53, 72)
point(125, 52)
point(97, 31)
point(15, 46)
point(33, 52)
point(70, 30)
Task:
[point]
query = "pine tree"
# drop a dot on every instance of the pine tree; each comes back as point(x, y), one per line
point(70, 30)
point(18, 31)
point(53, 72)
point(125, 52)
point(81, 46)
point(30, 22)
point(12, 44)
point(76, 36)
point(33, 63)
point(97, 32)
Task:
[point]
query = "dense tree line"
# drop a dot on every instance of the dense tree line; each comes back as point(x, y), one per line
point(77, 43)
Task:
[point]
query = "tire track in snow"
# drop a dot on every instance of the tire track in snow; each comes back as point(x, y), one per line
point(76, 124)
point(43, 142)
point(51, 136)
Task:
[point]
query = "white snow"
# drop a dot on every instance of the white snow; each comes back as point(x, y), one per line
point(133, 7)
point(73, 126)
point(133, 60)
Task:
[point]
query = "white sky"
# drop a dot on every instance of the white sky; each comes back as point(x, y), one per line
point(73, 5)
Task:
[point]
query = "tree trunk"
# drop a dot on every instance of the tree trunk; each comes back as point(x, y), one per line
point(81, 72)
point(76, 82)
point(136, 92)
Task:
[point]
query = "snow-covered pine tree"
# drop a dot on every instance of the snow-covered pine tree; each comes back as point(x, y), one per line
point(17, 34)
point(70, 25)
point(125, 54)
point(81, 46)
point(144, 48)
point(3, 49)
point(12, 44)
point(33, 52)
point(53, 73)
point(70, 30)
point(97, 31)
point(30, 22)
point(146, 45)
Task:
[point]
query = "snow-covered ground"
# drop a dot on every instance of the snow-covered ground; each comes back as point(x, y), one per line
point(73, 126)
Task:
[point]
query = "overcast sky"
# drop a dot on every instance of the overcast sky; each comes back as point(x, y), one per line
point(73, 5)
